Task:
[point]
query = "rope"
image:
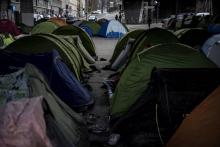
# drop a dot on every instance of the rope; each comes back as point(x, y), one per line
point(157, 122)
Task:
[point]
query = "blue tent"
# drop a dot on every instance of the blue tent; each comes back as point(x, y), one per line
point(214, 28)
point(209, 43)
point(61, 80)
point(87, 29)
point(112, 29)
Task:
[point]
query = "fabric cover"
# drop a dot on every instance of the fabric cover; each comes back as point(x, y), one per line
point(210, 42)
point(112, 29)
point(135, 78)
point(8, 27)
point(22, 124)
point(74, 30)
point(64, 126)
point(123, 41)
point(59, 77)
point(44, 27)
point(201, 127)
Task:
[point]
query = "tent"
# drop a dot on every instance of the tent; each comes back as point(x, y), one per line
point(193, 37)
point(5, 40)
point(59, 77)
point(43, 43)
point(214, 28)
point(201, 127)
point(214, 53)
point(93, 26)
point(64, 126)
point(209, 43)
point(58, 21)
point(73, 30)
point(123, 41)
point(44, 27)
point(112, 29)
point(135, 78)
point(23, 117)
point(171, 95)
point(147, 39)
point(8, 27)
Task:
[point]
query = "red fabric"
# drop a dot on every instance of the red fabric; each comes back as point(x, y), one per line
point(7, 26)
point(22, 124)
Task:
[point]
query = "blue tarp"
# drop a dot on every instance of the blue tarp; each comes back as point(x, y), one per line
point(61, 80)
point(112, 29)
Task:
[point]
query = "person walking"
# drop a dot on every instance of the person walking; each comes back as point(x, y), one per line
point(149, 20)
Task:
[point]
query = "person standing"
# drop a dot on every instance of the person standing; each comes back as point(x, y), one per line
point(149, 20)
point(116, 17)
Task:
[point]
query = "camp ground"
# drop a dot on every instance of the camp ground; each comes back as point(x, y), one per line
point(118, 81)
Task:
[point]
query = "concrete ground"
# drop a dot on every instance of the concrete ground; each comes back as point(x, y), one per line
point(104, 50)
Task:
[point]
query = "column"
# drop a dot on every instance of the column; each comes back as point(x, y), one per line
point(27, 15)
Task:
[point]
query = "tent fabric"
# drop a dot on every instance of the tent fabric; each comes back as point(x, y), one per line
point(124, 55)
point(123, 41)
point(58, 21)
point(135, 78)
point(44, 27)
point(5, 40)
point(154, 36)
point(75, 39)
point(8, 27)
point(192, 36)
point(73, 30)
point(210, 42)
point(214, 53)
point(64, 126)
point(171, 95)
point(214, 28)
point(112, 29)
point(22, 124)
point(87, 29)
point(59, 77)
point(43, 43)
point(95, 27)
point(201, 127)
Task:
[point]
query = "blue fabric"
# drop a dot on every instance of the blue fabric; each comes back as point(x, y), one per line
point(102, 31)
point(214, 28)
point(114, 35)
point(61, 80)
point(87, 29)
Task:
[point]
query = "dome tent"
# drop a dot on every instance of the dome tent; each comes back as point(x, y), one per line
point(135, 78)
point(112, 29)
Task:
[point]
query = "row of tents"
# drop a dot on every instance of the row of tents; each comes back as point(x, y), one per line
point(211, 23)
point(43, 85)
point(102, 28)
point(159, 81)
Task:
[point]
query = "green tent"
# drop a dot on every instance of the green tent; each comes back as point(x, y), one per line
point(44, 27)
point(64, 126)
point(192, 36)
point(76, 41)
point(153, 37)
point(123, 41)
point(148, 39)
point(95, 27)
point(135, 78)
point(41, 43)
point(73, 30)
